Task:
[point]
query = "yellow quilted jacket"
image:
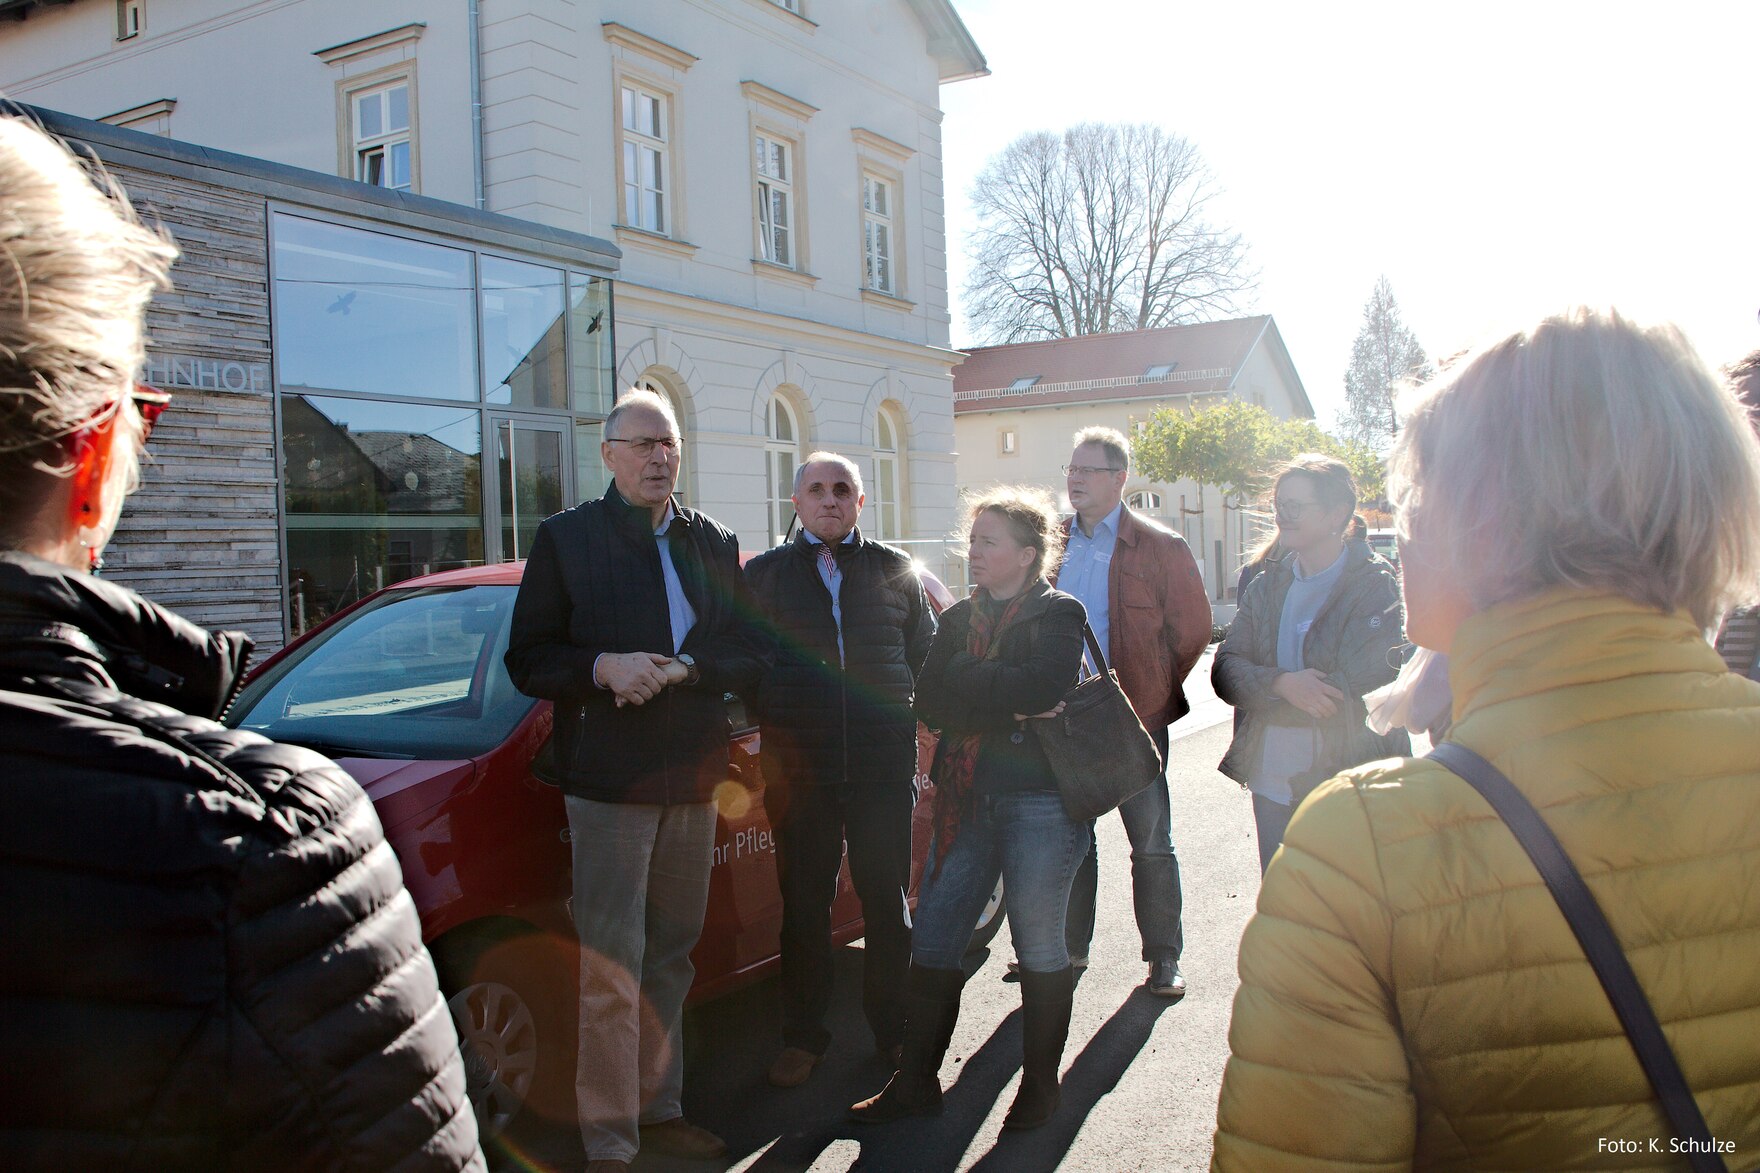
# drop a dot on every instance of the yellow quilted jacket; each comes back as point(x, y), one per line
point(1411, 997)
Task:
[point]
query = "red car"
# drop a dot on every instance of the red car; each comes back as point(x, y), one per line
point(407, 691)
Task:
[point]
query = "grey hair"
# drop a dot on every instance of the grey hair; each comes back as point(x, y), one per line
point(632, 399)
point(1118, 448)
point(77, 270)
point(841, 461)
point(1585, 452)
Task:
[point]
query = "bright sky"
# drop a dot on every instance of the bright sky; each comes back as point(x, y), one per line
point(1497, 161)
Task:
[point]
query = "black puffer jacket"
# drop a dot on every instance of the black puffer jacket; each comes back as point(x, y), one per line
point(211, 962)
point(1354, 641)
point(829, 726)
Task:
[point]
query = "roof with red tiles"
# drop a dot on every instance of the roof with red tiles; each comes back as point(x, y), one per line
point(1202, 359)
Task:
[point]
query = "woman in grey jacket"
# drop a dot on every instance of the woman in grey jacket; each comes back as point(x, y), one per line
point(1317, 628)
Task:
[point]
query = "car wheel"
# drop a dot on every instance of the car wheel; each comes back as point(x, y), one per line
point(989, 921)
point(512, 1000)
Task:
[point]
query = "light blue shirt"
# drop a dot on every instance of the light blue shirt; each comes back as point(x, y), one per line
point(678, 607)
point(833, 580)
point(1087, 573)
point(679, 611)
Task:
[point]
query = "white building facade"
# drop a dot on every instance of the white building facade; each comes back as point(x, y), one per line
point(770, 170)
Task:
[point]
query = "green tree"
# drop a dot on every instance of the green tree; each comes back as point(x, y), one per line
point(1385, 355)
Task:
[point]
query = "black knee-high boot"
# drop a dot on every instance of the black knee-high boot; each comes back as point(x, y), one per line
point(1046, 999)
point(931, 1010)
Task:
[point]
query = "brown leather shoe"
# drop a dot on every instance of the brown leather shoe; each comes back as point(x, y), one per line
point(793, 1066)
point(678, 1137)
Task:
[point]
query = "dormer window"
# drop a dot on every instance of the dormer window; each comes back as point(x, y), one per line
point(1024, 383)
point(1158, 372)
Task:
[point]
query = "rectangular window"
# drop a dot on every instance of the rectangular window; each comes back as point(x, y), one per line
point(382, 137)
point(877, 234)
point(644, 160)
point(130, 18)
point(1011, 442)
point(793, 6)
point(775, 201)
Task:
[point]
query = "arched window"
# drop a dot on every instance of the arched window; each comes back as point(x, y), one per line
point(782, 451)
point(680, 491)
point(1145, 502)
point(884, 490)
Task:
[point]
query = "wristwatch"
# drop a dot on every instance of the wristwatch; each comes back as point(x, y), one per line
point(692, 674)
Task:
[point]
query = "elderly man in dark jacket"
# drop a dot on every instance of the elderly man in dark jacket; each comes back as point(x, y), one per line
point(211, 961)
point(851, 627)
point(633, 618)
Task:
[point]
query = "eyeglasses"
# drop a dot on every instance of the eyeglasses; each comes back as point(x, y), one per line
point(1293, 510)
point(1088, 470)
point(151, 403)
point(643, 446)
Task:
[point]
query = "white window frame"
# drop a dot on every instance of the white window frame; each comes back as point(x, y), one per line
point(641, 63)
point(887, 501)
point(131, 19)
point(634, 144)
point(775, 165)
point(358, 150)
point(793, 6)
point(1144, 501)
point(1008, 442)
point(879, 234)
point(775, 118)
point(782, 455)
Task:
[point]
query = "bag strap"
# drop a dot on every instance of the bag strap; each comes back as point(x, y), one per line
point(1596, 937)
point(1100, 665)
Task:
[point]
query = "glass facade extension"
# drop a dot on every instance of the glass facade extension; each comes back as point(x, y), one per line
point(436, 402)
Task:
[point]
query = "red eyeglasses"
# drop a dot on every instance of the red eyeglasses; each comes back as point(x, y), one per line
point(151, 403)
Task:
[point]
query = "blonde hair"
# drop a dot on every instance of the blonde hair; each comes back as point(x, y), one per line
point(77, 270)
point(1586, 452)
point(1031, 516)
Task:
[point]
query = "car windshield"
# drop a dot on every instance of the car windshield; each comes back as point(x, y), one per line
point(414, 673)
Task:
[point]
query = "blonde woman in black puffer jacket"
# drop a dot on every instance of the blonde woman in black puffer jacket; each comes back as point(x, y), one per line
point(211, 961)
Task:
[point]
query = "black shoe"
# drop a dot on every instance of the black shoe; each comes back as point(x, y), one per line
point(931, 1010)
point(1165, 980)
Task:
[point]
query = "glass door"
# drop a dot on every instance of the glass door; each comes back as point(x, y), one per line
point(531, 479)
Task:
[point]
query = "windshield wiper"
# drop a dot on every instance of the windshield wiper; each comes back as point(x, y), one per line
point(333, 749)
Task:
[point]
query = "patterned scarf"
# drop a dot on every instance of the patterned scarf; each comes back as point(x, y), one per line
point(956, 797)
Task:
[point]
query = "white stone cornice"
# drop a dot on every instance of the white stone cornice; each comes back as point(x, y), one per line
point(625, 37)
point(777, 100)
point(390, 38)
point(881, 145)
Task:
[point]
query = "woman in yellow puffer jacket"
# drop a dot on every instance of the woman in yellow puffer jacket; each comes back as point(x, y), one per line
point(1576, 505)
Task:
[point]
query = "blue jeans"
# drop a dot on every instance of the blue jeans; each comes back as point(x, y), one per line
point(1028, 841)
point(641, 887)
point(1148, 822)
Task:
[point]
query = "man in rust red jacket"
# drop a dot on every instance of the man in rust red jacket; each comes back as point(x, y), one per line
point(1147, 605)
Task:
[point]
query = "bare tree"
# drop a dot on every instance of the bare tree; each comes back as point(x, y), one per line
point(1101, 228)
point(1385, 355)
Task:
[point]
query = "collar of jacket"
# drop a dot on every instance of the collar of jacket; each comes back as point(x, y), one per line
point(805, 547)
point(57, 622)
point(1357, 558)
point(1128, 527)
point(635, 520)
point(1568, 636)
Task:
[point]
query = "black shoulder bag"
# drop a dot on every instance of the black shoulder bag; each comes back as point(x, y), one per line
point(1098, 749)
point(1596, 937)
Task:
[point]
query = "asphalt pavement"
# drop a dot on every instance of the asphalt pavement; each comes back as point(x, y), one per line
point(1141, 1075)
